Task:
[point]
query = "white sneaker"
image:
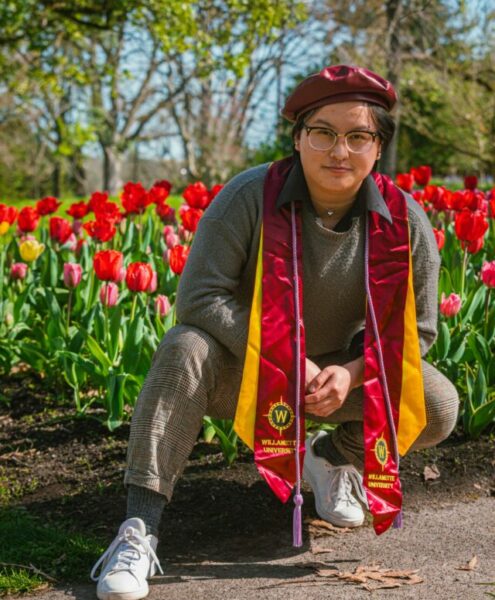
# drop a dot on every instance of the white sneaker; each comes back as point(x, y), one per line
point(127, 563)
point(332, 488)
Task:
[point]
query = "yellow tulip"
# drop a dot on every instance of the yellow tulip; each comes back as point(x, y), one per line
point(30, 250)
point(4, 227)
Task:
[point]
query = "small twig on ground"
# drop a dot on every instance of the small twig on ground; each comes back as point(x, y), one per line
point(30, 568)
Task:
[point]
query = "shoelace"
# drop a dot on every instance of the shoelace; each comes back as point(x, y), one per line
point(345, 479)
point(127, 555)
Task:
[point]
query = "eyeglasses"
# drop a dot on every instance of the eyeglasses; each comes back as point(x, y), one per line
point(357, 141)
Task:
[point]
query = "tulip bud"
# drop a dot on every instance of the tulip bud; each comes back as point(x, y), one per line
point(9, 319)
point(72, 275)
point(451, 305)
point(18, 271)
point(30, 250)
point(162, 305)
point(109, 294)
point(153, 283)
point(120, 276)
point(488, 274)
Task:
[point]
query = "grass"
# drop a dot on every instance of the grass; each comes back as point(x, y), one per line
point(174, 201)
point(35, 554)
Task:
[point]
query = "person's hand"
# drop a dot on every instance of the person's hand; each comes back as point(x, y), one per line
point(328, 390)
point(312, 370)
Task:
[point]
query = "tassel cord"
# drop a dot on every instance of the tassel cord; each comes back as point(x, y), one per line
point(298, 499)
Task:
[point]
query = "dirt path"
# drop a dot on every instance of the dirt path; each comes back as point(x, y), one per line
point(435, 541)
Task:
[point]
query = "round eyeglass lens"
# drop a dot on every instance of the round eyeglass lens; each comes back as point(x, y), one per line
point(324, 139)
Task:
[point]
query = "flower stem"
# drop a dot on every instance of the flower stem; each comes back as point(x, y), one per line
point(133, 309)
point(463, 275)
point(69, 307)
point(487, 304)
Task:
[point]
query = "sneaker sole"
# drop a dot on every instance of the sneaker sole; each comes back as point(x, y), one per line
point(121, 595)
point(324, 515)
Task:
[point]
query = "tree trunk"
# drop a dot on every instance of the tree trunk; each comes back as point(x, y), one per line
point(56, 177)
point(394, 66)
point(112, 171)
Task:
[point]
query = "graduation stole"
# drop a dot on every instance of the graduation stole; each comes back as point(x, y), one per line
point(270, 409)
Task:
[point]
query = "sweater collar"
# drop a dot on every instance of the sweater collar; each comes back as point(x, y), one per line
point(295, 188)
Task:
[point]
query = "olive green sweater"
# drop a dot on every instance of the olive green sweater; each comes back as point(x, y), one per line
point(216, 287)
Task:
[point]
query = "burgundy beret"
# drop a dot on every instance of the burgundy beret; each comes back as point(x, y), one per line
point(338, 84)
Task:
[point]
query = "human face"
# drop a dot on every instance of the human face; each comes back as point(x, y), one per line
point(328, 186)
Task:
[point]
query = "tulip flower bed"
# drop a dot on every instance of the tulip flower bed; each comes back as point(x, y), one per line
point(86, 297)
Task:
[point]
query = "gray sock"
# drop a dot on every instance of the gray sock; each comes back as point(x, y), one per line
point(325, 448)
point(147, 505)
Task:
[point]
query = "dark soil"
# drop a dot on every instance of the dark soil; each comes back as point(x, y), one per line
point(71, 471)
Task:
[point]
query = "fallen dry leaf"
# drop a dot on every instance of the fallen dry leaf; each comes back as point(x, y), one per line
point(319, 528)
point(470, 566)
point(319, 550)
point(431, 473)
point(373, 577)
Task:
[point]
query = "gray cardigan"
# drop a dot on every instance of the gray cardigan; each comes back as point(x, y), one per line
point(216, 286)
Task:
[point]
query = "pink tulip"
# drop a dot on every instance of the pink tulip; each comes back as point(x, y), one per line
point(165, 256)
point(153, 283)
point(162, 305)
point(451, 305)
point(72, 275)
point(170, 237)
point(109, 294)
point(121, 275)
point(488, 274)
point(77, 226)
point(71, 243)
point(18, 270)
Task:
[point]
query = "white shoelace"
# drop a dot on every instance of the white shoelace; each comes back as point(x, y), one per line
point(135, 545)
point(345, 479)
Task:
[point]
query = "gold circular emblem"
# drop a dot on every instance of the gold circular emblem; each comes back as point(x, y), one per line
point(381, 450)
point(280, 416)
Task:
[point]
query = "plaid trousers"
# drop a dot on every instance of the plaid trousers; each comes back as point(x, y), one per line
point(193, 375)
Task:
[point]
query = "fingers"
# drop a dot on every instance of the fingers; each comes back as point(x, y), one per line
point(320, 379)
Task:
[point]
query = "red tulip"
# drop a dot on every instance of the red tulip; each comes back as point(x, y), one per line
point(470, 182)
point(440, 237)
point(215, 190)
point(177, 258)
point(109, 212)
point(474, 246)
point(491, 204)
point(138, 276)
point(422, 175)
point(72, 275)
point(488, 274)
point(18, 270)
point(470, 225)
point(103, 231)
point(190, 217)
point(162, 305)
point(28, 219)
point(60, 229)
point(196, 195)
point(8, 214)
point(158, 193)
point(108, 264)
point(109, 294)
point(78, 210)
point(405, 181)
point(163, 183)
point(47, 206)
point(97, 199)
point(135, 198)
point(437, 195)
point(451, 305)
point(166, 213)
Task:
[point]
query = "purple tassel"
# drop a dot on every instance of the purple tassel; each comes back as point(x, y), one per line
point(397, 524)
point(297, 522)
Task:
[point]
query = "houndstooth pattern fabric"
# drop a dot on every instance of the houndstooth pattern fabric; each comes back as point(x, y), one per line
point(193, 375)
